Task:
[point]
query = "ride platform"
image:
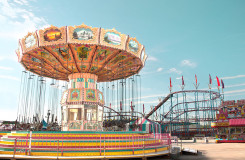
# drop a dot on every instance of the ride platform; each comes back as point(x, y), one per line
point(82, 145)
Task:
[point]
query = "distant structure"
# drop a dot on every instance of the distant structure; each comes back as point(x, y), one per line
point(230, 122)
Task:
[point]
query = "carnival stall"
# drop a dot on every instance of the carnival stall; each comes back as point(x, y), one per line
point(230, 122)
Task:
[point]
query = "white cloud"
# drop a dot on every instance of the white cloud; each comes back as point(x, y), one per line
point(235, 85)
point(6, 68)
point(233, 77)
point(21, 2)
point(179, 78)
point(151, 58)
point(9, 77)
point(188, 63)
point(235, 91)
point(231, 95)
point(16, 21)
point(149, 102)
point(159, 69)
point(174, 70)
point(152, 96)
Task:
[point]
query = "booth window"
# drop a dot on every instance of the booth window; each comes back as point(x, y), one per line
point(232, 130)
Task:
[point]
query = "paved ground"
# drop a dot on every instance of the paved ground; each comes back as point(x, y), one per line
point(215, 151)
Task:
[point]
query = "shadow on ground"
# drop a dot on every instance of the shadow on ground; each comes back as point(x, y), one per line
point(199, 156)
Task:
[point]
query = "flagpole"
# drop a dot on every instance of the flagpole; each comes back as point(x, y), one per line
point(170, 89)
point(183, 84)
point(196, 105)
point(210, 96)
point(223, 86)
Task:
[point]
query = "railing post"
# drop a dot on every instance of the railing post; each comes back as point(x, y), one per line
point(30, 143)
point(62, 147)
point(155, 136)
point(57, 149)
point(15, 141)
point(169, 143)
point(26, 147)
point(133, 143)
point(144, 145)
point(100, 144)
point(104, 145)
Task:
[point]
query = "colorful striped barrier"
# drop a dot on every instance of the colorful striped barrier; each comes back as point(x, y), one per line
point(84, 144)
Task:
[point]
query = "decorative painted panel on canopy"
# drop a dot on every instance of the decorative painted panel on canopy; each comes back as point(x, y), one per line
point(29, 42)
point(78, 96)
point(58, 52)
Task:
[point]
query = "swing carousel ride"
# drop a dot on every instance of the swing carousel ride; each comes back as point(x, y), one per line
point(83, 57)
point(91, 66)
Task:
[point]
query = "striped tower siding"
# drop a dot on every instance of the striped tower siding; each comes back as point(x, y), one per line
point(80, 143)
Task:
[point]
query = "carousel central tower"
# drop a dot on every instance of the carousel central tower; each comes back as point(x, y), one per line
point(82, 104)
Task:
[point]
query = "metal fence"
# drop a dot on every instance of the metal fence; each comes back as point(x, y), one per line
point(99, 143)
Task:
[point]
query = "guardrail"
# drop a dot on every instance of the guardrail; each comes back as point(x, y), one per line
point(101, 145)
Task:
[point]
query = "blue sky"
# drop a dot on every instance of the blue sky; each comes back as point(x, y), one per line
point(181, 38)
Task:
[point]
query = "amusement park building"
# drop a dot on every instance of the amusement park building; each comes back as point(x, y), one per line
point(230, 122)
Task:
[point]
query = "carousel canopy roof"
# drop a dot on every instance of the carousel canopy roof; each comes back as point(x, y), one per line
point(58, 52)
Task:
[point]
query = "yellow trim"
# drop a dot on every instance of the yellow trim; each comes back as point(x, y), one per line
point(162, 149)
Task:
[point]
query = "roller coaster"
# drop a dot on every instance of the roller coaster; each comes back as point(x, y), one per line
point(187, 113)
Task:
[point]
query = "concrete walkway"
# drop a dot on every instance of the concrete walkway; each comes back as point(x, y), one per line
point(215, 151)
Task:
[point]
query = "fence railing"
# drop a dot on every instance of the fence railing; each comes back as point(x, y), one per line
point(101, 144)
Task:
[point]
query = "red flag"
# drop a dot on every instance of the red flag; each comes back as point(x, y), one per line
point(218, 81)
point(196, 78)
point(210, 79)
point(120, 105)
point(132, 106)
point(170, 83)
point(183, 82)
point(222, 83)
point(143, 108)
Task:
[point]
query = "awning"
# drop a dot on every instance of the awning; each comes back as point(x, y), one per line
point(237, 122)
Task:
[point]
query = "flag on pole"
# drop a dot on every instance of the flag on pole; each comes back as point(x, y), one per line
point(120, 105)
point(222, 83)
point(218, 81)
point(196, 78)
point(183, 82)
point(170, 83)
point(210, 79)
point(132, 106)
point(143, 108)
